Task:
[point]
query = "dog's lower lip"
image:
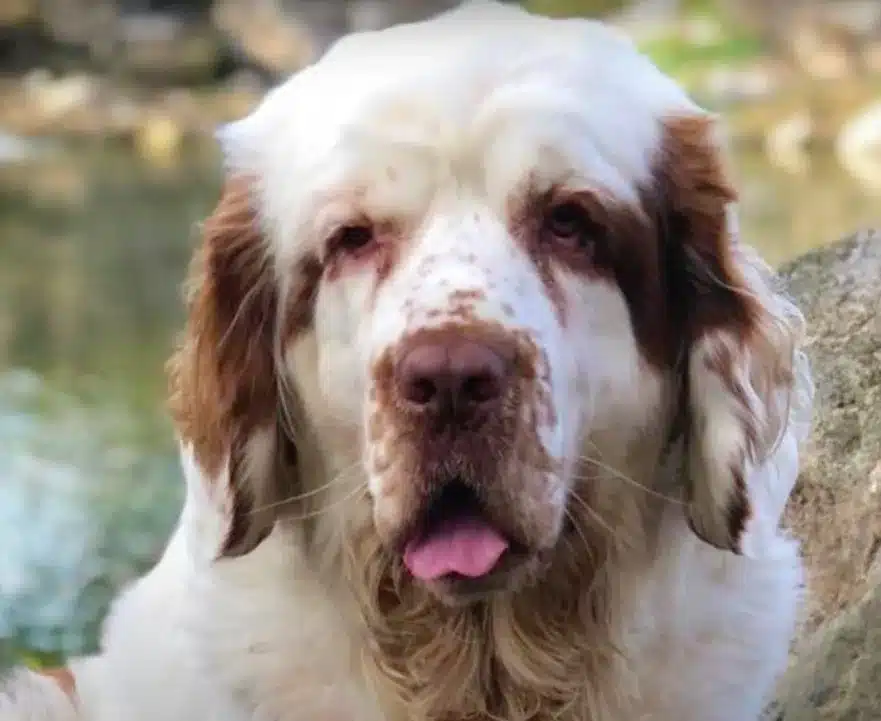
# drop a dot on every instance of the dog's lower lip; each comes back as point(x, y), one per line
point(459, 589)
point(515, 553)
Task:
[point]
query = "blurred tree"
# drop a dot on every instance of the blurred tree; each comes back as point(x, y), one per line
point(808, 33)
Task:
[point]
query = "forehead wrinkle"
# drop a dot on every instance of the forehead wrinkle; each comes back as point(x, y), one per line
point(562, 131)
point(387, 181)
point(436, 127)
point(395, 127)
point(398, 174)
point(517, 132)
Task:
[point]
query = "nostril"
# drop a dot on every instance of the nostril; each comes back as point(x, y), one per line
point(480, 372)
point(420, 390)
point(421, 373)
point(456, 373)
point(481, 387)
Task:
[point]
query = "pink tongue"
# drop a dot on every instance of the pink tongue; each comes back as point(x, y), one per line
point(467, 546)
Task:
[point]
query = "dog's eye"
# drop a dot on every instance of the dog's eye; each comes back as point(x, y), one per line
point(569, 225)
point(352, 239)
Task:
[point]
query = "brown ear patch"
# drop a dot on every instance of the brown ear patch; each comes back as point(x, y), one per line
point(670, 255)
point(721, 318)
point(695, 192)
point(739, 508)
point(224, 388)
point(222, 381)
point(64, 678)
point(222, 376)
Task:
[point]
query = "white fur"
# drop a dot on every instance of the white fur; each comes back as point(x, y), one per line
point(461, 110)
point(26, 696)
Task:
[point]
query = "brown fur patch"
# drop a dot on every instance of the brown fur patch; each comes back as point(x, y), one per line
point(752, 342)
point(739, 506)
point(223, 384)
point(301, 305)
point(222, 376)
point(670, 254)
point(64, 678)
point(694, 193)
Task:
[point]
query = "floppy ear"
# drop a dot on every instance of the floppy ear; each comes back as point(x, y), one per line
point(223, 390)
point(746, 379)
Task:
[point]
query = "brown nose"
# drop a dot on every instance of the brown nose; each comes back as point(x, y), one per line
point(453, 372)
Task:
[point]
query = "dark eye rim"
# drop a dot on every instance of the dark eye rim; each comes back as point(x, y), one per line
point(570, 223)
point(352, 239)
point(578, 230)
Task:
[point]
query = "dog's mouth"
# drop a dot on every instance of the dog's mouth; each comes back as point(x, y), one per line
point(457, 541)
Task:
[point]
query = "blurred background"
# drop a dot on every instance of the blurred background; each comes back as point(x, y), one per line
point(106, 163)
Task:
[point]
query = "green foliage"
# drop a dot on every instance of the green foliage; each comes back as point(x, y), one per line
point(594, 8)
point(679, 57)
point(672, 52)
point(13, 654)
point(699, 7)
point(573, 8)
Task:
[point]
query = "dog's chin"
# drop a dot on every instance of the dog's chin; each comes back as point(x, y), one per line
point(512, 575)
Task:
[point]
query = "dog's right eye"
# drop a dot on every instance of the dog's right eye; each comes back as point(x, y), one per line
point(569, 225)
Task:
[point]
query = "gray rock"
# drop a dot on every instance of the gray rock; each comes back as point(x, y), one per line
point(835, 672)
point(836, 508)
point(837, 675)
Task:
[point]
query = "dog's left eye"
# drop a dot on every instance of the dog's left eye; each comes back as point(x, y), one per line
point(352, 239)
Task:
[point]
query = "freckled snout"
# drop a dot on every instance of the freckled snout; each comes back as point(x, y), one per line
point(451, 375)
point(465, 490)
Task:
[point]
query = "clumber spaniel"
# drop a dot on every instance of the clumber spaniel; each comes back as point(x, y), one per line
point(485, 410)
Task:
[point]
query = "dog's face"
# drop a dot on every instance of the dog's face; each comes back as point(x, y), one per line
point(469, 251)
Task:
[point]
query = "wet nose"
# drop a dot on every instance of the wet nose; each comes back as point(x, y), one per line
point(453, 372)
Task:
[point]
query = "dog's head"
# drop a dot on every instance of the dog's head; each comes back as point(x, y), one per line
point(459, 269)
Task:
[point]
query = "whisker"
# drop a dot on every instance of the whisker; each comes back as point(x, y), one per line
point(598, 519)
point(287, 416)
point(645, 489)
point(608, 469)
point(701, 265)
point(235, 319)
point(598, 573)
point(627, 479)
point(313, 492)
point(580, 531)
point(356, 493)
point(286, 394)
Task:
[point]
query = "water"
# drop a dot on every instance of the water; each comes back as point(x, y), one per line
point(93, 248)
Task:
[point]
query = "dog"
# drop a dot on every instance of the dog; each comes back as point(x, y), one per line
point(485, 409)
